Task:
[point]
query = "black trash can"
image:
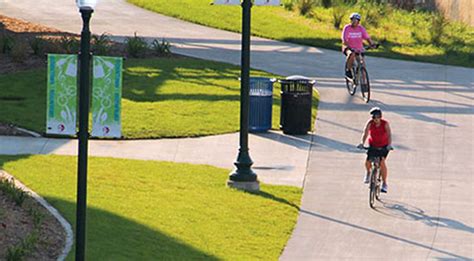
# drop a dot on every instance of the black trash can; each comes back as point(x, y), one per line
point(296, 100)
point(261, 100)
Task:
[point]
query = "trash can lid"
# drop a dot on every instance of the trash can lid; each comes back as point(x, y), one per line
point(298, 78)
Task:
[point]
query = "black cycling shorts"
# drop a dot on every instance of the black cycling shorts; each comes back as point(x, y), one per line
point(345, 51)
point(377, 152)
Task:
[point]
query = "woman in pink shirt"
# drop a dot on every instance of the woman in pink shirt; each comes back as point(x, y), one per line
point(353, 36)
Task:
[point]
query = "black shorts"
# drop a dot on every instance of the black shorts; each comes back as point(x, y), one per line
point(345, 51)
point(377, 152)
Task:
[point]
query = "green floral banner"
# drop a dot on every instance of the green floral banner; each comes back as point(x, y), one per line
point(61, 94)
point(106, 97)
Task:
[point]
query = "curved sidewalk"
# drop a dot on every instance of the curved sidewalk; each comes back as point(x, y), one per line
point(278, 158)
point(428, 213)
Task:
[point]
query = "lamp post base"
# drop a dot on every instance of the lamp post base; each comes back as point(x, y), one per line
point(252, 186)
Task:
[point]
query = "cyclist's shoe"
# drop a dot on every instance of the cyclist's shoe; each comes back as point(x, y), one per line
point(384, 188)
point(367, 178)
point(349, 74)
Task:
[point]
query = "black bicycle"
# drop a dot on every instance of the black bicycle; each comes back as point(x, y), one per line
point(375, 178)
point(360, 77)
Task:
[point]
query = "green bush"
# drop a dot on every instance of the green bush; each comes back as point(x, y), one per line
point(101, 44)
point(38, 45)
point(338, 13)
point(19, 53)
point(305, 6)
point(136, 46)
point(437, 27)
point(161, 48)
point(69, 45)
point(7, 42)
point(16, 194)
point(289, 4)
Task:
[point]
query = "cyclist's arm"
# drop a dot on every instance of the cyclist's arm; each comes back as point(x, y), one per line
point(365, 133)
point(389, 134)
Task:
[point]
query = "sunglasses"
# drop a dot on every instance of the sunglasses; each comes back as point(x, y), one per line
point(376, 117)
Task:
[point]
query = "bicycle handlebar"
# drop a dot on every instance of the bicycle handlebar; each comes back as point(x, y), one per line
point(366, 47)
point(374, 148)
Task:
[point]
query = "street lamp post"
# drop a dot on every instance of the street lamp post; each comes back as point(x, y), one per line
point(86, 7)
point(243, 177)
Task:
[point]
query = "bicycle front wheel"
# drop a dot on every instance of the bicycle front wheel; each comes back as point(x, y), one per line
point(373, 188)
point(365, 84)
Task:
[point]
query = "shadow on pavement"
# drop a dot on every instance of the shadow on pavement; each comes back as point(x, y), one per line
point(385, 235)
point(297, 141)
point(405, 211)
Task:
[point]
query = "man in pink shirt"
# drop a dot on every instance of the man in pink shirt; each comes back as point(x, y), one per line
point(353, 36)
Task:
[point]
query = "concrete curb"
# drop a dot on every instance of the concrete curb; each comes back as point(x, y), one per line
point(51, 209)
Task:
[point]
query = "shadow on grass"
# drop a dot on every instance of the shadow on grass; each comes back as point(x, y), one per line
point(113, 237)
point(274, 198)
point(143, 79)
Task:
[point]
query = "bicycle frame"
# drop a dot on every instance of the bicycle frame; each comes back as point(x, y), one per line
point(375, 181)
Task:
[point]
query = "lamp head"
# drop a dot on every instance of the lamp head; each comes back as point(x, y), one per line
point(86, 4)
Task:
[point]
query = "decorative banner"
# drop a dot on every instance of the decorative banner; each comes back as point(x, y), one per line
point(226, 2)
point(62, 94)
point(106, 97)
point(267, 2)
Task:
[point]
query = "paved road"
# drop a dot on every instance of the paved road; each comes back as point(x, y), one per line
point(429, 211)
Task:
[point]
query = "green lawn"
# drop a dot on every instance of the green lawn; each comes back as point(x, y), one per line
point(163, 97)
point(403, 34)
point(145, 210)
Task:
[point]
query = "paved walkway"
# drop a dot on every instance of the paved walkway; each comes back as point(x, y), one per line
point(429, 211)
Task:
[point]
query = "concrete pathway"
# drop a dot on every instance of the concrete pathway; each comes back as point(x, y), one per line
point(429, 211)
point(279, 159)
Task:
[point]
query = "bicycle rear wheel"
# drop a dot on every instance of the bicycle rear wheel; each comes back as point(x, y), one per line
point(364, 84)
point(351, 87)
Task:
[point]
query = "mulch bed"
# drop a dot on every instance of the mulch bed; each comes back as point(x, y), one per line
point(16, 223)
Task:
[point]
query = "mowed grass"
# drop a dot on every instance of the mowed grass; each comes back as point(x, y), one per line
point(403, 34)
point(162, 98)
point(145, 210)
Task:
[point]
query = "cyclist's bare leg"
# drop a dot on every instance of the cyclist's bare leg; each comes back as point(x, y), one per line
point(383, 170)
point(350, 59)
point(368, 165)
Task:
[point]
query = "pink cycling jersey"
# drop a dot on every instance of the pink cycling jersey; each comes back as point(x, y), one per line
point(354, 36)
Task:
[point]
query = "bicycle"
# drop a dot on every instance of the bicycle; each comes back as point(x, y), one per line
point(360, 77)
point(375, 179)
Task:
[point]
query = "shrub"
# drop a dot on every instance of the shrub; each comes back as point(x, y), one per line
point(161, 48)
point(326, 3)
point(69, 45)
point(136, 46)
point(9, 188)
point(289, 4)
point(38, 45)
point(305, 6)
point(437, 26)
point(7, 42)
point(338, 13)
point(19, 53)
point(101, 44)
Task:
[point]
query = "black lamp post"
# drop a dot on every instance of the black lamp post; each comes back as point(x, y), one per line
point(86, 7)
point(243, 177)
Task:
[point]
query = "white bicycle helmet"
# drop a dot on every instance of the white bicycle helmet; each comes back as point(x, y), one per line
point(355, 15)
point(375, 111)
